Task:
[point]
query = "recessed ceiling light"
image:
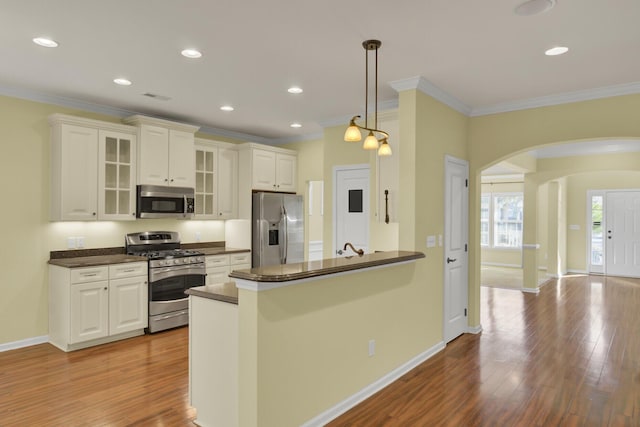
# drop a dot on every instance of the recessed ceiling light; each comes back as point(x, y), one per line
point(122, 82)
point(191, 53)
point(558, 50)
point(43, 41)
point(534, 7)
point(296, 125)
point(294, 89)
point(226, 108)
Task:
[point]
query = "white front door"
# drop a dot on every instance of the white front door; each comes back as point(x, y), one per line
point(351, 208)
point(456, 221)
point(623, 233)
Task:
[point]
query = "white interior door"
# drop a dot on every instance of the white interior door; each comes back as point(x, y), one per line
point(456, 222)
point(623, 233)
point(351, 208)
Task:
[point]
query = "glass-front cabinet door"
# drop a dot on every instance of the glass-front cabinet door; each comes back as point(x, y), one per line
point(116, 179)
point(206, 183)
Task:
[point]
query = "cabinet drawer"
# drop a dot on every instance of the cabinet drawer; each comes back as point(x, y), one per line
point(217, 261)
point(89, 274)
point(129, 269)
point(242, 258)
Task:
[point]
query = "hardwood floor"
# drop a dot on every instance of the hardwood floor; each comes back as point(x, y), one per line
point(141, 381)
point(568, 356)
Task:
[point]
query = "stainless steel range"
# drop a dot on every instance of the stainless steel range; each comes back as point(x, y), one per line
point(172, 270)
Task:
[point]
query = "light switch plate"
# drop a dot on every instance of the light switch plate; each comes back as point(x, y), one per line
point(431, 241)
point(71, 242)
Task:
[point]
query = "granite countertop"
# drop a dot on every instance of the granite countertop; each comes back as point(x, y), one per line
point(225, 292)
point(306, 270)
point(96, 260)
point(221, 250)
point(116, 255)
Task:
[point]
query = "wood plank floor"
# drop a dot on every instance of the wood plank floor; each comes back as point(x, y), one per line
point(569, 356)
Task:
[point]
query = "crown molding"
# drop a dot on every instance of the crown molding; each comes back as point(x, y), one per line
point(561, 98)
point(428, 88)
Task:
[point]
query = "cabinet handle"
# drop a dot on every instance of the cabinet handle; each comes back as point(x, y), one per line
point(166, 179)
point(94, 214)
point(90, 274)
point(105, 288)
point(171, 179)
point(129, 270)
point(134, 214)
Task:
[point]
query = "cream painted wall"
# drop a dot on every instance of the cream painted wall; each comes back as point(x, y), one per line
point(505, 257)
point(27, 232)
point(543, 225)
point(577, 187)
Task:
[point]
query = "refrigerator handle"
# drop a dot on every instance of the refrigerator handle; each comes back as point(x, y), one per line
point(285, 234)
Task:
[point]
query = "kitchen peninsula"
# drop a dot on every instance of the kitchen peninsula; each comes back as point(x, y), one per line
point(291, 344)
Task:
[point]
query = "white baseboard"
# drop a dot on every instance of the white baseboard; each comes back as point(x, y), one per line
point(579, 272)
point(531, 291)
point(498, 264)
point(342, 407)
point(474, 329)
point(24, 343)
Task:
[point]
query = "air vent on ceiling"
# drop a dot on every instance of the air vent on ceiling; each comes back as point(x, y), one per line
point(156, 96)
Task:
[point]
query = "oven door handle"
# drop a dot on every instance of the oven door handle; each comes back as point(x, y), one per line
point(156, 274)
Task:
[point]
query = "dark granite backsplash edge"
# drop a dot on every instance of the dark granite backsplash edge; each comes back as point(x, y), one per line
point(77, 253)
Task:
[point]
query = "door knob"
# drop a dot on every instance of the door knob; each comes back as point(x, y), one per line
point(449, 260)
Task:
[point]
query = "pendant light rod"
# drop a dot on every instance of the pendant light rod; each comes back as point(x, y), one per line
point(353, 134)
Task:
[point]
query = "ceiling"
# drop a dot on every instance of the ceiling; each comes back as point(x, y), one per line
point(478, 53)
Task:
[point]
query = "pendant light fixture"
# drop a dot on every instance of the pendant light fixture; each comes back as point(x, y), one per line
point(353, 132)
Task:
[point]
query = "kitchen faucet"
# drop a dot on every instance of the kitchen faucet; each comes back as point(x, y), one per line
point(360, 252)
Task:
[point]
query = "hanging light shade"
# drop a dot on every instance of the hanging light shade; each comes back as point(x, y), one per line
point(375, 135)
point(370, 142)
point(385, 148)
point(353, 134)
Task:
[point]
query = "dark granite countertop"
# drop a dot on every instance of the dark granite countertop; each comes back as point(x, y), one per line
point(116, 255)
point(306, 270)
point(225, 292)
point(95, 260)
point(221, 250)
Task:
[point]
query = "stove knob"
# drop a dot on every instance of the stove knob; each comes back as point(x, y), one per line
point(185, 260)
point(176, 261)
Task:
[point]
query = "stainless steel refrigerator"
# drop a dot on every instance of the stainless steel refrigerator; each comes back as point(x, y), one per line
point(277, 230)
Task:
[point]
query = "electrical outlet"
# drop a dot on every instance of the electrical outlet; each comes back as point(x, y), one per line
point(71, 242)
point(80, 242)
point(372, 347)
point(198, 236)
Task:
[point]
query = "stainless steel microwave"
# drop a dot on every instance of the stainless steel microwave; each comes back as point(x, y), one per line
point(156, 201)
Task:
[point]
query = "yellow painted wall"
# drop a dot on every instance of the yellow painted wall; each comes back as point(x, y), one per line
point(495, 137)
point(27, 232)
point(307, 345)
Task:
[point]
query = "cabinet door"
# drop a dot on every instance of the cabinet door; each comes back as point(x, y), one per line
point(181, 159)
point(116, 176)
point(286, 172)
point(206, 183)
point(227, 184)
point(154, 155)
point(264, 170)
point(89, 317)
point(79, 169)
point(217, 275)
point(128, 304)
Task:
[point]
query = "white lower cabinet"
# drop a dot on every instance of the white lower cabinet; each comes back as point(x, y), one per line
point(95, 305)
point(219, 266)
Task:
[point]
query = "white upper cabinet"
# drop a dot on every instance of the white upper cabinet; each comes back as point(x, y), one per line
point(264, 168)
point(116, 176)
point(273, 170)
point(165, 153)
point(92, 170)
point(216, 176)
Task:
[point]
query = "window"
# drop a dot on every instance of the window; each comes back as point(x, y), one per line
point(501, 220)
point(596, 231)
